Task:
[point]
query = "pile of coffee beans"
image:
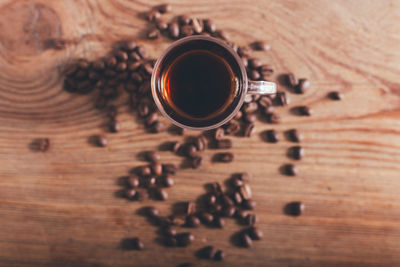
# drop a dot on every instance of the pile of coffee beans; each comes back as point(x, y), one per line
point(126, 71)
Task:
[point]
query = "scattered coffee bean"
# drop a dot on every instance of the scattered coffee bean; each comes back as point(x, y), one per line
point(294, 208)
point(131, 194)
point(206, 218)
point(190, 150)
point(261, 45)
point(248, 204)
point(190, 208)
point(210, 199)
point(273, 118)
point(219, 222)
point(265, 102)
point(245, 176)
point(144, 171)
point(149, 182)
point(184, 239)
point(167, 181)
point(254, 75)
point(133, 243)
point(156, 168)
point(334, 95)
point(250, 118)
point(241, 214)
point(170, 241)
point(101, 140)
point(249, 129)
point(303, 110)
point(219, 133)
point(255, 63)
point(184, 20)
point(224, 143)
point(216, 188)
point(208, 252)
point(289, 169)
point(244, 51)
point(250, 219)
point(282, 99)
point(223, 35)
point(168, 231)
point(151, 118)
point(292, 80)
point(245, 240)
point(153, 15)
point(228, 211)
point(303, 85)
point(196, 162)
point(225, 157)
point(200, 143)
point(245, 192)
point(153, 34)
point(160, 194)
point(219, 255)
point(192, 221)
point(152, 212)
point(238, 115)
point(142, 195)
point(169, 168)
point(164, 8)
point(197, 25)
point(157, 127)
point(129, 45)
point(272, 136)
point(294, 135)
point(250, 107)
point(232, 127)
point(209, 26)
point(237, 182)
point(133, 180)
point(226, 201)
point(175, 146)
point(254, 233)
point(143, 109)
point(161, 25)
point(266, 70)
point(186, 30)
point(173, 29)
point(44, 144)
point(114, 126)
point(296, 152)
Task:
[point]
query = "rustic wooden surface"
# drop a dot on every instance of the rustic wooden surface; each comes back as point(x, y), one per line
point(59, 208)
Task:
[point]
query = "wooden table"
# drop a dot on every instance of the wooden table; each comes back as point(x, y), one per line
point(59, 208)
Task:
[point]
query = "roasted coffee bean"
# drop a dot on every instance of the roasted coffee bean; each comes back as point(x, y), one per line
point(169, 168)
point(208, 252)
point(223, 35)
point(296, 152)
point(129, 45)
point(136, 77)
point(143, 109)
point(282, 99)
point(225, 157)
point(186, 30)
point(184, 239)
point(164, 8)
point(209, 26)
point(157, 127)
point(144, 171)
point(248, 204)
point(168, 231)
point(121, 55)
point(176, 220)
point(292, 80)
point(245, 61)
point(160, 194)
point(131, 194)
point(152, 212)
point(156, 168)
point(205, 34)
point(192, 221)
point(199, 143)
point(152, 156)
point(265, 102)
point(175, 146)
point(232, 127)
point(111, 62)
point(219, 255)
point(250, 219)
point(224, 143)
point(144, 88)
point(133, 180)
point(335, 95)
point(228, 211)
point(250, 107)
point(153, 15)
point(101, 140)
point(268, 111)
point(99, 65)
point(198, 25)
point(210, 199)
point(133, 243)
point(273, 118)
point(219, 222)
point(83, 63)
point(206, 218)
point(184, 20)
point(255, 63)
point(142, 195)
point(233, 45)
point(227, 201)
point(135, 57)
point(254, 233)
point(189, 208)
point(250, 118)
point(216, 188)
point(237, 197)
point(245, 176)
point(245, 240)
point(170, 241)
point(149, 182)
point(249, 129)
point(244, 51)
point(196, 162)
point(303, 85)
point(161, 25)
point(153, 117)
point(147, 68)
point(130, 88)
point(173, 29)
point(94, 76)
point(294, 135)
point(294, 208)
point(261, 46)
point(238, 115)
point(219, 133)
point(167, 181)
point(142, 51)
point(44, 144)
point(266, 70)
point(153, 34)
point(241, 214)
point(289, 169)
point(114, 126)
point(304, 111)
point(237, 182)
point(254, 75)
point(272, 136)
point(245, 192)
point(190, 150)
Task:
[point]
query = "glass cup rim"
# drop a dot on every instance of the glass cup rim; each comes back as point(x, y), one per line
point(222, 44)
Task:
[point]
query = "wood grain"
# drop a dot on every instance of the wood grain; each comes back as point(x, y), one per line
point(59, 208)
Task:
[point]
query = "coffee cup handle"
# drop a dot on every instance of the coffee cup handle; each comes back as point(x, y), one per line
point(261, 88)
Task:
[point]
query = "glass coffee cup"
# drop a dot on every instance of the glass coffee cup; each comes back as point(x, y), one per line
point(200, 83)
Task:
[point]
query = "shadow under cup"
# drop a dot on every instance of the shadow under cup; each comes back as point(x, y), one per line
point(199, 83)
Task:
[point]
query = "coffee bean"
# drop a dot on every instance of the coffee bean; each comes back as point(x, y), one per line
point(241, 214)
point(227, 201)
point(153, 34)
point(225, 157)
point(238, 115)
point(292, 80)
point(196, 162)
point(266, 70)
point(254, 233)
point(208, 252)
point(219, 222)
point(250, 118)
point(223, 35)
point(237, 182)
point(114, 126)
point(334, 95)
point(261, 45)
point(304, 110)
point(249, 129)
point(206, 218)
point(153, 15)
point(142, 51)
point(272, 136)
point(216, 188)
point(192, 221)
point(245, 240)
point(303, 85)
point(149, 182)
point(164, 8)
point(245, 192)
point(83, 63)
point(152, 212)
point(131, 194)
point(168, 231)
point(273, 118)
point(167, 181)
point(144, 89)
point(254, 75)
point(170, 241)
point(152, 156)
point(296, 152)
point(184, 20)
point(219, 133)
point(130, 88)
point(245, 176)
point(156, 168)
point(136, 77)
point(289, 169)
point(151, 118)
point(173, 29)
point(228, 211)
point(175, 220)
point(186, 30)
point(133, 243)
point(160, 194)
point(133, 180)
point(209, 26)
point(294, 208)
point(143, 195)
point(198, 25)
point(99, 65)
point(205, 34)
point(169, 168)
point(184, 239)
point(250, 107)
point(129, 45)
point(210, 199)
point(255, 63)
point(190, 150)
point(161, 25)
point(232, 127)
point(199, 143)
point(189, 208)
point(219, 255)
point(44, 144)
point(121, 55)
point(136, 58)
point(268, 111)
point(294, 135)
point(282, 99)
point(248, 204)
point(157, 127)
point(224, 143)
point(245, 61)
point(144, 171)
point(143, 109)
point(111, 62)
point(175, 146)
point(101, 140)
point(244, 51)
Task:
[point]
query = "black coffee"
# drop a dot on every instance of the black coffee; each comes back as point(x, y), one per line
point(199, 84)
